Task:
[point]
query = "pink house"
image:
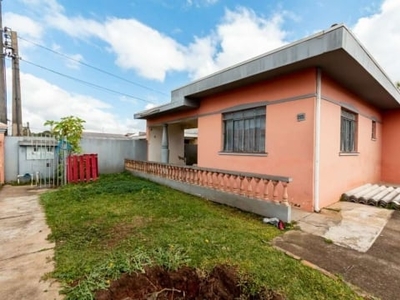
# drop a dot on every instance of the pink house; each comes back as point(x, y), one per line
point(319, 116)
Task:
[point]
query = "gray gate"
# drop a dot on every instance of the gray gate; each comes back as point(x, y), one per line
point(41, 161)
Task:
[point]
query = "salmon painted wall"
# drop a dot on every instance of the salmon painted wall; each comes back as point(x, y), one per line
point(289, 143)
point(339, 173)
point(391, 147)
point(300, 83)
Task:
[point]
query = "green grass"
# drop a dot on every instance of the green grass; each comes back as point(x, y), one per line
point(121, 224)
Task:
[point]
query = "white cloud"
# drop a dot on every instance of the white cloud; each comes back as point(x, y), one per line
point(241, 34)
point(72, 61)
point(45, 101)
point(199, 3)
point(244, 35)
point(380, 33)
point(25, 26)
point(200, 56)
point(150, 106)
point(44, 6)
point(143, 49)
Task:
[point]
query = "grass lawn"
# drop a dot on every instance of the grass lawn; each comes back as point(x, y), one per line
point(121, 224)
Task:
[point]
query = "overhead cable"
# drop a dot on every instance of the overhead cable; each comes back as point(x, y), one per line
point(94, 68)
point(87, 82)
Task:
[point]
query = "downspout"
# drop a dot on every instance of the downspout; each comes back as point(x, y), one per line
point(317, 145)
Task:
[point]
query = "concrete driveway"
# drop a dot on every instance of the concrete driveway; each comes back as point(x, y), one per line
point(360, 243)
point(25, 254)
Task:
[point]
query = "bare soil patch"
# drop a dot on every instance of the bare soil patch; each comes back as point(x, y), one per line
point(157, 283)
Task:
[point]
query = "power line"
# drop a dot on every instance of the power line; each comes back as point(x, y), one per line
point(94, 68)
point(86, 82)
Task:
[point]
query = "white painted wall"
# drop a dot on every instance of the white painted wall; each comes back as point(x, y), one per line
point(176, 143)
point(154, 144)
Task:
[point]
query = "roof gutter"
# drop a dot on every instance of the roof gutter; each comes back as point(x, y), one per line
point(317, 145)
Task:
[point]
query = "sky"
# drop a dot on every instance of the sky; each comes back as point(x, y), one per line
point(104, 60)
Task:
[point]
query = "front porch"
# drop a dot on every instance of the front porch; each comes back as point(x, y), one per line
point(265, 195)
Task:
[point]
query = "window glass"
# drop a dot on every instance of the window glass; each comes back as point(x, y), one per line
point(244, 131)
point(348, 128)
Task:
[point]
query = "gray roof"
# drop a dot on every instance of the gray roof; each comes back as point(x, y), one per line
point(101, 135)
point(336, 51)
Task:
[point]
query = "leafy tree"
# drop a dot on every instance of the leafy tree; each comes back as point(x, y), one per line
point(398, 84)
point(70, 128)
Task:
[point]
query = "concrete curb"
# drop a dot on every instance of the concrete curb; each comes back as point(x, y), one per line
point(309, 264)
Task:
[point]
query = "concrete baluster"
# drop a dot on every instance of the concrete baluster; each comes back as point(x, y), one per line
point(234, 184)
point(242, 190)
point(222, 182)
point(257, 193)
point(249, 192)
point(228, 186)
point(275, 190)
point(266, 189)
point(285, 197)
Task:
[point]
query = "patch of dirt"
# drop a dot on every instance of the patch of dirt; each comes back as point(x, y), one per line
point(159, 284)
point(121, 231)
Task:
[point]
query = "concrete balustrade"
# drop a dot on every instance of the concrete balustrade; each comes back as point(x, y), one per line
point(258, 186)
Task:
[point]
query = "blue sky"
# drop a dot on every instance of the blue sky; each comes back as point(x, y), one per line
point(154, 46)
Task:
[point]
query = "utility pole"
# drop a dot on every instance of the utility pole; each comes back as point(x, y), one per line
point(11, 45)
point(16, 88)
point(3, 86)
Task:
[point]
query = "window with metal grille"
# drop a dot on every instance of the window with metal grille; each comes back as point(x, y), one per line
point(244, 131)
point(348, 129)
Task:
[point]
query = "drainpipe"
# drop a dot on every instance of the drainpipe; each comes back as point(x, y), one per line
point(164, 145)
point(317, 146)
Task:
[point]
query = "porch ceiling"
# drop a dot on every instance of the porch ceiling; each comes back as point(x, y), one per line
point(335, 51)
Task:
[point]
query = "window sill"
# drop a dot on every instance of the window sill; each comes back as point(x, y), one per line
point(373, 139)
point(243, 153)
point(349, 153)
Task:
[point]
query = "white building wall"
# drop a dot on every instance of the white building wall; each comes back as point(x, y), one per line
point(176, 144)
point(154, 144)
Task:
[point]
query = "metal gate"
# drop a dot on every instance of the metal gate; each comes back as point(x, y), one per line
point(42, 161)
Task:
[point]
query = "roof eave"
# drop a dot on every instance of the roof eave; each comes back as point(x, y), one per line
point(183, 104)
point(335, 51)
point(324, 50)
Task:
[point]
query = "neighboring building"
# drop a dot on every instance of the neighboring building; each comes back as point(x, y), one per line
point(3, 129)
point(320, 111)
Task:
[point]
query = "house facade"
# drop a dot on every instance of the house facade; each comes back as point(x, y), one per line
point(319, 111)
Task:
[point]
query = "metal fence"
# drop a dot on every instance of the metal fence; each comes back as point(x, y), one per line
point(41, 160)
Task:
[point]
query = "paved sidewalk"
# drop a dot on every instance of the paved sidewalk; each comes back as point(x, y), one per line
point(347, 224)
point(374, 269)
point(25, 254)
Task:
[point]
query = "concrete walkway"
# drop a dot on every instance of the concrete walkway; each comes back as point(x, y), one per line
point(358, 242)
point(25, 254)
point(346, 224)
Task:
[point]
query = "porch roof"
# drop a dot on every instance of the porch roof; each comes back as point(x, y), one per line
point(336, 51)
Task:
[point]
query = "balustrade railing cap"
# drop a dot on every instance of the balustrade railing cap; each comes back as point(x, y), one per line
point(226, 172)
